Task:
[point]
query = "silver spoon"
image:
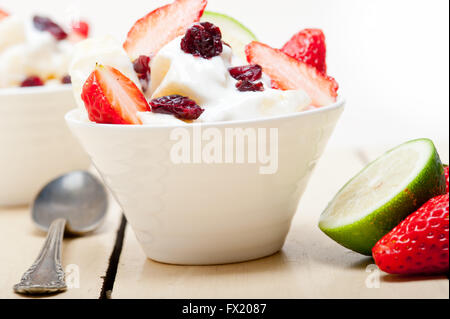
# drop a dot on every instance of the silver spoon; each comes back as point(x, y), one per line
point(76, 202)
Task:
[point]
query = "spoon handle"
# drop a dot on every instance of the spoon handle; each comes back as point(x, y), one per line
point(46, 275)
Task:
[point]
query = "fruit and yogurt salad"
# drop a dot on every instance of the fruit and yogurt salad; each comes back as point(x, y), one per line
point(35, 50)
point(180, 64)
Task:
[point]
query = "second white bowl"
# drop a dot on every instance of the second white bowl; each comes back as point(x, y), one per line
point(35, 143)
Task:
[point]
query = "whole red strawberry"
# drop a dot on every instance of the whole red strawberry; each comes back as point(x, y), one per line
point(419, 244)
point(446, 177)
point(308, 46)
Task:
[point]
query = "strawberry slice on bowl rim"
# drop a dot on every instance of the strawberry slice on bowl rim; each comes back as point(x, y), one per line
point(112, 98)
point(287, 73)
point(150, 33)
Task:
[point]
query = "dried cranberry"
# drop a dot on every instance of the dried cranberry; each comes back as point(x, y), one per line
point(142, 68)
point(252, 72)
point(46, 24)
point(142, 65)
point(66, 79)
point(32, 80)
point(180, 106)
point(245, 86)
point(203, 39)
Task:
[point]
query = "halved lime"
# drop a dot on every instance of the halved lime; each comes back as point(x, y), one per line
point(233, 32)
point(383, 194)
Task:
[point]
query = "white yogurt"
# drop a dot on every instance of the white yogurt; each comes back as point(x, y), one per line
point(209, 83)
point(206, 81)
point(151, 118)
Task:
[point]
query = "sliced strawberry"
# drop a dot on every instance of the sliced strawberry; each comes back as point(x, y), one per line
point(308, 46)
point(289, 74)
point(419, 244)
point(81, 28)
point(3, 14)
point(150, 33)
point(111, 98)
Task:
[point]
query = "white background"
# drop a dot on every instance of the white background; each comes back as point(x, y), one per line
point(391, 57)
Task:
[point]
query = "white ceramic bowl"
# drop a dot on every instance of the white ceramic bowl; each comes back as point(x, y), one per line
point(35, 143)
point(196, 214)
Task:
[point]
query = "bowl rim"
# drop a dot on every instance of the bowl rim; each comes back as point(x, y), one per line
point(35, 90)
point(69, 118)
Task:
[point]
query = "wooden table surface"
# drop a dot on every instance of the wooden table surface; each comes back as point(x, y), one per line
point(309, 266)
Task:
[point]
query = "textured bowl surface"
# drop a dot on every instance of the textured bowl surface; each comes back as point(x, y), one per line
point(207, 213)
point(35, 143)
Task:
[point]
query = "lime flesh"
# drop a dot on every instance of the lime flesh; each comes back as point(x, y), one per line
point(383, 194)
point(234, 33)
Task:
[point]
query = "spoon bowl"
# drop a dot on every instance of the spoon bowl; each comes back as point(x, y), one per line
point(77, 197)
